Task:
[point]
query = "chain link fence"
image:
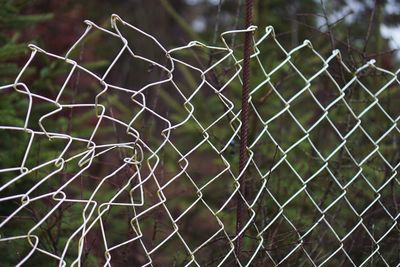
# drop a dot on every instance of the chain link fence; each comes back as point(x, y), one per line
point(96, 171)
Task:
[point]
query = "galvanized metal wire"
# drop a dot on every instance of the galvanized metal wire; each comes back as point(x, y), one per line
point(304, 205)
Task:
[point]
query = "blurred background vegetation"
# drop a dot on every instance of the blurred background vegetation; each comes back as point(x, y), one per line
point(361, 30)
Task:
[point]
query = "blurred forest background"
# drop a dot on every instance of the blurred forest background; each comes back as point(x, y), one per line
point(360, 29)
